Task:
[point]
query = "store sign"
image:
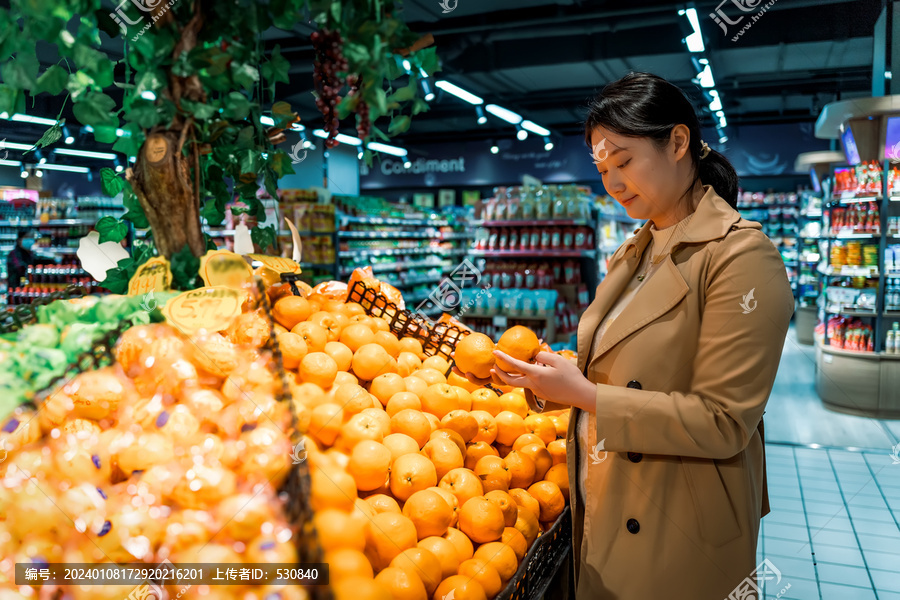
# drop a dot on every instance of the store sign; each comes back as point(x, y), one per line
point(420, 165)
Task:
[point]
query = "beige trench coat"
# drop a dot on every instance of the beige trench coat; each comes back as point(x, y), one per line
point(676, 495)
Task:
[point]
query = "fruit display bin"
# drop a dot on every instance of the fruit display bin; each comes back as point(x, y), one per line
point(542, 562)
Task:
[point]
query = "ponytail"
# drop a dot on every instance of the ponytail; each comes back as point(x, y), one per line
point(715, 170)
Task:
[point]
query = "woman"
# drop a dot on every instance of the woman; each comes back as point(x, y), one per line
point(677, 356)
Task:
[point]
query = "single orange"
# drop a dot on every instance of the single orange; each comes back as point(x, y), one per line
point(486, 575)
point(509, 427)
point(465, 397)
point(344, 563)
point(462, 543)
point(401, 584)
point(506, 504)
point(401, 401)
point(521, 469)
point(352, 309)
point(325, 422)
point(541, 457)
point(527, 524)
point(411, 473)
point(400, 444)
point(360, 427)
point(412, 423)
point(341, 354)
point(460, 587)
point(318, 368)
point(562, 425)
point(500, 556)
point(332, 488)
point(514, 538)
point(487, 426)
point(416, 385)
point(329, 322)
point(386, 385)
point(486, 400)
point(337, 529)
point(559, 474)
point(514, 402)
point(493, 473)
point(541, 426)
point(450, 435)
point(249, 329)
point(438, 363)
point(550, 499)
point(557, 450)
point(476, 450)
point(362, 511)
point(389, 342)
point(357, 335)
point(439, 399)
point(381, 324)
point(314, 335)
point(387, 535)
point(411, 345)
point(433, 421)
point(370, 463)
point(293, 349)
point(460, 381)
point(526, 501)
point(444, 454)
point(463, 484)
point(474, 354)
point(408, 363)
point(371, 360)
point(343, 377)
point(381, 416)
point(481, 520)
point(423, 563)
point(290, 310)
point(383, 503)
point(451, 501)
point(352, 397)
point(429, 512)
point(444, 551)
point(462, 423)
point(518, 342)
point(525, 439)
point(430, 376)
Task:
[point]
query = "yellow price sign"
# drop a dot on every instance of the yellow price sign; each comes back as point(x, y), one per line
point(224, 268)
point(155, 275)
point(278, 264)
point(209, 308)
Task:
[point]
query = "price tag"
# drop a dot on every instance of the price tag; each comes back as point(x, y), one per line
point(277, 263)
point(155, 275)
point(209, 308)
point(224, 268)
point(499, 320)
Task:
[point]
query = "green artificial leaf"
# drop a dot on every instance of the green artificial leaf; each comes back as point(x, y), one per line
point(143, 112)
point(420, 106)
point(280, 163)
point(53, 81)
point(395, 67)
point(271, 184)
point(284, 16)
point(405, 93)
point(428, 60)
point(117, 279)
point(182, 66)
point(111, 183)
point(130, 145)
point(263, 237)
point(185, 270)
point(8, 99)
point(378, 99)
point(246, 138)
point(213, 212)
point(167, 111)
point(336, 11)
point(51, 136)
point(111, 229)
point(21, 72)
point(244, 75)
point(95, 109)
point(277, 68)
point(347, 106)
point(78, 85)
point(283, 115)
point(399, 125)
point(201, 111)
point(106, 24)
point(380, 134)
point(135, 212)
point(149, 81)
point(94, 63)
point(250, 163)
point(210, 244)
point(237, 106)
point(105, 134)
point(356, 53)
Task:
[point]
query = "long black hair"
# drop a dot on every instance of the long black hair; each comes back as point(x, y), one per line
point(648, 106)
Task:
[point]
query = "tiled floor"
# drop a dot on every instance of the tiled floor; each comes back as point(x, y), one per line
point(834, 529)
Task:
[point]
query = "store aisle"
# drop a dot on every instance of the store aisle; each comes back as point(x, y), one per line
point(834, 488)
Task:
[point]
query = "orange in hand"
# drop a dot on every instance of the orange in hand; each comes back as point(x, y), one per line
point(474, 354)
point(518, 342)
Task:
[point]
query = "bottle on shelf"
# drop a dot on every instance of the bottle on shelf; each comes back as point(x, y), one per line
point(892, 343)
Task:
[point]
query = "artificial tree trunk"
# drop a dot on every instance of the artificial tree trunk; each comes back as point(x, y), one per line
point(161, 177)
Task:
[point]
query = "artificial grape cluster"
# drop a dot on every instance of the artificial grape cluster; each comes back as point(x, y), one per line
point(329, 63)
point(363, 124)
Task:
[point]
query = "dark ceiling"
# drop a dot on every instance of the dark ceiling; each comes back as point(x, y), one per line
point(544, 60)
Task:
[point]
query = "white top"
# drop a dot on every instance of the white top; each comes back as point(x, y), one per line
point(585, 429)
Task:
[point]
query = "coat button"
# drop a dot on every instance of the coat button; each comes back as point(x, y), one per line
point(634, 384)
point(633, 525)
point(635, 457)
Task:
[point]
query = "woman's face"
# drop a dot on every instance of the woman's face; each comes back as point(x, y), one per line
point(644, 179)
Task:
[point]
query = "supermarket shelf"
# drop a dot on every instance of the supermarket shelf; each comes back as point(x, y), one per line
point(390, 251)
point(328, 266)
point(8, 236)
point(400, 266)
point(857, 353)
point(850, 271)
point(619, 218)
point(792, 263)
point(393, 221)
point(54, 250)
point(848, 198)
point(53, 222)
point(385, 235)
point(851, 236)
point(417, 281)
point(472, 315)
point(230, 232)
point(547, 253)
point(458, 236)
point(530, 223)
point(852, 313)
point(812, 215)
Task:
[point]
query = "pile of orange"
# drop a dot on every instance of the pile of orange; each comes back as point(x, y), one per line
point(422, 483)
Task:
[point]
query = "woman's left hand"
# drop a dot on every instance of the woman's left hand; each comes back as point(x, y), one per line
point(552, 378)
